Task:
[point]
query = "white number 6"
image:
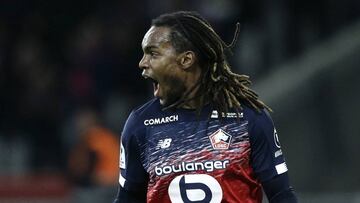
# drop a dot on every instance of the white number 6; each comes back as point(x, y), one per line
point(195, 188)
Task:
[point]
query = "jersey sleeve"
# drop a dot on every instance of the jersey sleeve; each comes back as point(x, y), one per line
point(133, 178)
point(267, 158)
point(278, 190)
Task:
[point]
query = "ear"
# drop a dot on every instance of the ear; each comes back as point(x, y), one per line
point(186, 59)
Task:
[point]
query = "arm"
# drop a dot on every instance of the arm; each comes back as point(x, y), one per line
point(132, 182)
point(278, 190)
point(128, 196)
point(268, 161)
point(132, 178)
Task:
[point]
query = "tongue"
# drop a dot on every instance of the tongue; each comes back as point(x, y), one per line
point(156, 90)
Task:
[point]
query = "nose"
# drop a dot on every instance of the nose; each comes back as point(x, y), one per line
point(143, 64)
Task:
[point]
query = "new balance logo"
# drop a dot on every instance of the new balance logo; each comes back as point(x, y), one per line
point(165, 143)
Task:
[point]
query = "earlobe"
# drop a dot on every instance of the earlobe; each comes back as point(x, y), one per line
point(187, 59)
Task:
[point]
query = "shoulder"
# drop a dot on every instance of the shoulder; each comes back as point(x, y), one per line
point(148, 108)
point(135, 121)
point(252, 115)
point(256, 118)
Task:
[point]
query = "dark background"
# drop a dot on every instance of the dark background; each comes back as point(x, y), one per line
point(60, 57)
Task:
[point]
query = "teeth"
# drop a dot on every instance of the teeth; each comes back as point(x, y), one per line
point(151, 79)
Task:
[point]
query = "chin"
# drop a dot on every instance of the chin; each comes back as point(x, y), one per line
point(169, 99)
point(162, 102)
point(166, 102)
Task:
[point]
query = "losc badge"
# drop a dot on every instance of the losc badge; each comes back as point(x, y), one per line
point(220, 139)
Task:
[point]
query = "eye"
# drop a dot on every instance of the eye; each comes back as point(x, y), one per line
point(154, 53)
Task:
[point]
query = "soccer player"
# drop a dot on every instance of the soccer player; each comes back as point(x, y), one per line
point(205, 137)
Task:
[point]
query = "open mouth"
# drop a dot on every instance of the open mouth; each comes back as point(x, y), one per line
point(155, 85)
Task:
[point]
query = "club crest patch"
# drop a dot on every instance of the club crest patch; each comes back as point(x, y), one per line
point(220, 139)
point(122, 157)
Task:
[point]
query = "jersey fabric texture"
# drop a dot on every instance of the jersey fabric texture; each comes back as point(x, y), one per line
point(180, 156)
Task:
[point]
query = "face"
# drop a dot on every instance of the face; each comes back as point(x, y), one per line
point(160, 64)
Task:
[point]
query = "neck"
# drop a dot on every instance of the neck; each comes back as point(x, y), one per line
point(191, 97)
point(193, 101)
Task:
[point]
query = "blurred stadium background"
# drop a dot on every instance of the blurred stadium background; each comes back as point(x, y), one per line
point(69, 78)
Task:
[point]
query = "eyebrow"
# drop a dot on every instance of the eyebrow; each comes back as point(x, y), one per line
point(148, 48)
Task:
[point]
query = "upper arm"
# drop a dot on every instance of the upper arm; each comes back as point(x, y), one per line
point(267, 157)
point(132, 178)
point(268, 161)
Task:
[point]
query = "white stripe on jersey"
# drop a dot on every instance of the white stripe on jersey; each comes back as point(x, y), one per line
point(121, 180)
point(281, 168)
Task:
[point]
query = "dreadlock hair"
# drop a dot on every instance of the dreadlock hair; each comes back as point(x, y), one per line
point(218, 84)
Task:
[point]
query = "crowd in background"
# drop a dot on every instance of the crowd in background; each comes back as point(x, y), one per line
point(61, 60)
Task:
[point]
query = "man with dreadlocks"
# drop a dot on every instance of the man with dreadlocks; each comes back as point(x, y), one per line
point(205, 137)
